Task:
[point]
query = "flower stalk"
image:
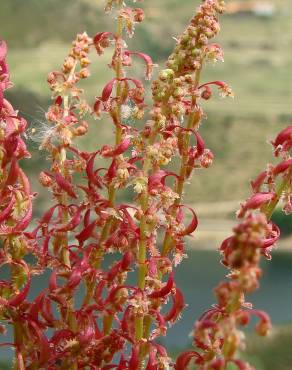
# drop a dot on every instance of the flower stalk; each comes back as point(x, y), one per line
point(217, 334)
point(118, 324)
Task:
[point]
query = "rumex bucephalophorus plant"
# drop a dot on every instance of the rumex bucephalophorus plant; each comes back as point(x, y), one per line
point(118, 324)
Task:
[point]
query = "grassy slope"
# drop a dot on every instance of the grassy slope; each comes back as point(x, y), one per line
point(257, 65)
point(273, 352)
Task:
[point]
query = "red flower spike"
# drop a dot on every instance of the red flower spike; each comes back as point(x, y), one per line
point(107, 226)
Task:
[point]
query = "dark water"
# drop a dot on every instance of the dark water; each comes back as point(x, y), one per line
point(197, 276)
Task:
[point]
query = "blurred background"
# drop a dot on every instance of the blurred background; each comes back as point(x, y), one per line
point(257, 39)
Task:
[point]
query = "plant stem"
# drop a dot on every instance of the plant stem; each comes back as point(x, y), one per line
point(17, 334)
point(280, 190)
point(119, 75)
point(65, 254)
point(142, 251)
point(107, 323)
point(193, 122)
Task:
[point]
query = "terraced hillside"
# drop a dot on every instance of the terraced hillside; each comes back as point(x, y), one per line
point(258, 63)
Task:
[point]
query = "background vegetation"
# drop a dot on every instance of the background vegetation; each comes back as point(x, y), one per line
point(258, 64)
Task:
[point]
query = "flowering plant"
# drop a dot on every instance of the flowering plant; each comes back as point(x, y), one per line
point(118, 324)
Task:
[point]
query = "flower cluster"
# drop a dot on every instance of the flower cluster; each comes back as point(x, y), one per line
point(217, 333)
point(15, 216)
point(117, 324)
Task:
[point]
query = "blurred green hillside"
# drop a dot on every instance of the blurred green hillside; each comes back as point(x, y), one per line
point(258, 65)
